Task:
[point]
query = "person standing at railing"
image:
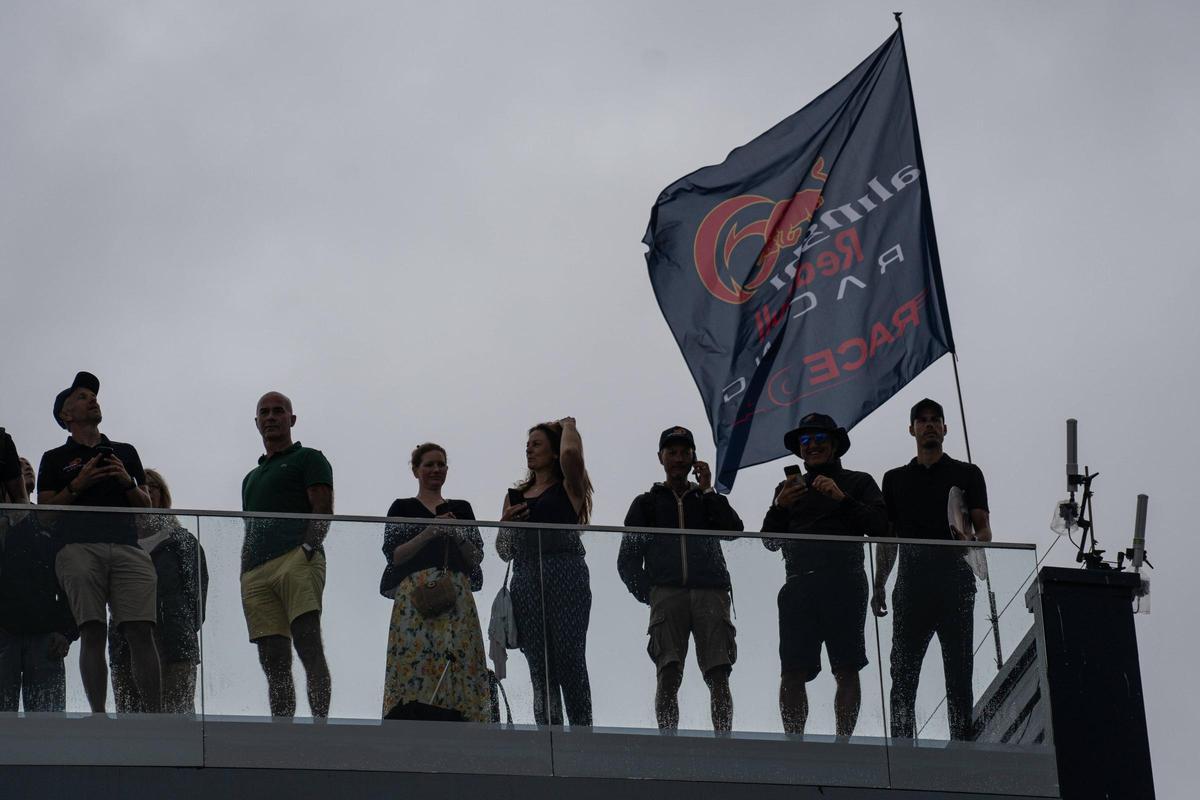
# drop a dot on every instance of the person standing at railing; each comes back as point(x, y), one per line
point(935, 588)
point(283, 560)
point(100, 563)
point(12, 479)
point(36, 627)
point(551, 587)
point(824, 599)
point(682, 578)
point(182, 573)
point(434, 619)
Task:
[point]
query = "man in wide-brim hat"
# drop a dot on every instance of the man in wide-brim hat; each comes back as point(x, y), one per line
point(824, 599)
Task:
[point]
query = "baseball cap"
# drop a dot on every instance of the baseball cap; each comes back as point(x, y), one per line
point(84, 380)
point(923, 405)
point(676, 434)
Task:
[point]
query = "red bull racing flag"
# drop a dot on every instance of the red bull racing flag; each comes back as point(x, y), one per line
point(802, 273)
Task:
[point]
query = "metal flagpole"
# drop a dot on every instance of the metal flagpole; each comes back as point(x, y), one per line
point(993, 616)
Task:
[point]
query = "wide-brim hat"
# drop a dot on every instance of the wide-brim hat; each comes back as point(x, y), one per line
point(822, 423)
point(84, 380)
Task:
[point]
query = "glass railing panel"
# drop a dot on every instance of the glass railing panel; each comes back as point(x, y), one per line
point(642, 619)
point(956, 705)
point(594, 586)
point(115, 572)
point(366, 641)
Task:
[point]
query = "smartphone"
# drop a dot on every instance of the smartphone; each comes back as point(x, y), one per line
point(515, 498)
point(444, 508)
point(791, 471)
point(104, 451)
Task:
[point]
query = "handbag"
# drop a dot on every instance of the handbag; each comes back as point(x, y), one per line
point(502, 627)
point(436, 594)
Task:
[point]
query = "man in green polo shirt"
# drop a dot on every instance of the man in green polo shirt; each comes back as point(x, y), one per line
point(283, 562)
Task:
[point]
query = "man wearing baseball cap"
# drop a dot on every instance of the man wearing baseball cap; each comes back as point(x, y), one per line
point(935, 588)
point(683, 578)
point(824, 599)
point(100, 564)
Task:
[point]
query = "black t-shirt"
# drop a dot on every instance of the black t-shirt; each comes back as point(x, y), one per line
point(916, 498)
point(60, 466)
point(434, 553)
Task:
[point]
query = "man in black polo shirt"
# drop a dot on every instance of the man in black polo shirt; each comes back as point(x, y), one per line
point(100, 563)
point(283, 561)
point(824, 599)
point(935, 589)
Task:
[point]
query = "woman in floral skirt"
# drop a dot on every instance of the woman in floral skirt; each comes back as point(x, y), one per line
point(420, 646)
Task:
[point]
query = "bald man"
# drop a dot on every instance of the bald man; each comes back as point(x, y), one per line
point(283, 562)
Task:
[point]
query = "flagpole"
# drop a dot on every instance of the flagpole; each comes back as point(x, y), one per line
point(994, 617)
point(962, 413)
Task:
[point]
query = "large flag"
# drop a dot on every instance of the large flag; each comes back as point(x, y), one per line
point(802, 273)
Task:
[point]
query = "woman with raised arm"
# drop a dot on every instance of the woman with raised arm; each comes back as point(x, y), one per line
point(548, 564)
point(435, 636)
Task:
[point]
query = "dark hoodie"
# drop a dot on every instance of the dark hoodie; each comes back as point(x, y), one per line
point(696, 562)
point(861, 513)
point(30, 598)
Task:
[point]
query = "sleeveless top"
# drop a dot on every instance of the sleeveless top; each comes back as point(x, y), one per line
point(552, 505)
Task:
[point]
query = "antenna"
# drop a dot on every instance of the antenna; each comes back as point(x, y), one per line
point(1139, 533)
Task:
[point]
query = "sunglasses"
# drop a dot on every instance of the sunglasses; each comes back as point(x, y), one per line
point(813, 438)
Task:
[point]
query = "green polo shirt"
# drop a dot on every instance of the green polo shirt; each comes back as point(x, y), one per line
point(280, 483)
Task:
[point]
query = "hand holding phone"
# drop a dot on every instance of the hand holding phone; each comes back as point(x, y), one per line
point(793, 487)
point(517, 506)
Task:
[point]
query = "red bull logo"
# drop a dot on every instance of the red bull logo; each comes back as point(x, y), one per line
point(780, 225)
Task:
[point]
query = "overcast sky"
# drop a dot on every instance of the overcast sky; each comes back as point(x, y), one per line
point(424, 221)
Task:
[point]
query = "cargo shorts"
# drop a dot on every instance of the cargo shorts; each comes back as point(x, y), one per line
point(678, 612)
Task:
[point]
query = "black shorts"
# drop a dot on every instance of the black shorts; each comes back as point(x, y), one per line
point(827, 607)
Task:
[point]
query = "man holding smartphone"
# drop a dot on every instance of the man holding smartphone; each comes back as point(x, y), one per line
point(283, 561)
point(100, 564)
point(683, 578)
point(824, 599)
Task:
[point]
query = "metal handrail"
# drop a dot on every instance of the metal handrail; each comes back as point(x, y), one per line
point(184, 512)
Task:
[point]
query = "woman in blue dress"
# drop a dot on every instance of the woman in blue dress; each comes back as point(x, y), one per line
point(549, 566)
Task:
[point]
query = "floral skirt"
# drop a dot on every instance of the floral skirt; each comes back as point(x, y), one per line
point(417, 653)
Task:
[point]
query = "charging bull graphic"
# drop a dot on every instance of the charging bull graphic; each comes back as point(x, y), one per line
point(779, 226)
point(801, 274)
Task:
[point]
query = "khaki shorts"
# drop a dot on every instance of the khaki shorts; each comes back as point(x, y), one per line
point(119, 576)
point(676, 612)
point(274, 594)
